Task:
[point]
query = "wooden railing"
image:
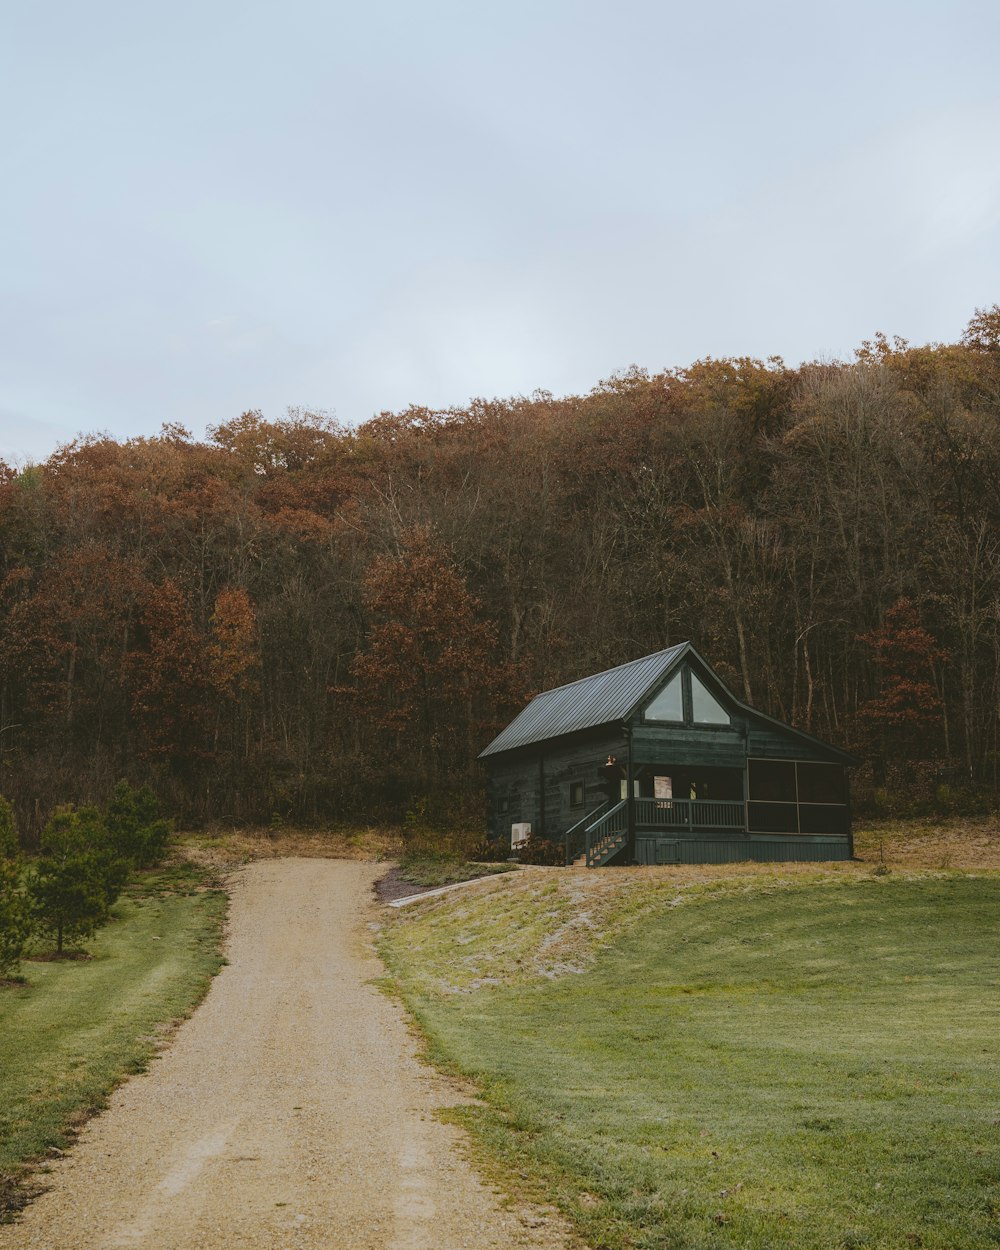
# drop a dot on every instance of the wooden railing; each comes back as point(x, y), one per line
point(690, 814)
point(575, 836)
point(607, 834)
point(602, 831)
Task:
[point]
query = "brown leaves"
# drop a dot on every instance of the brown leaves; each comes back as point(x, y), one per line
point(235, 655)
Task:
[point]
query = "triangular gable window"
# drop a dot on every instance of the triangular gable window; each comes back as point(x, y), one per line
point(705, 708)
point(669, 703)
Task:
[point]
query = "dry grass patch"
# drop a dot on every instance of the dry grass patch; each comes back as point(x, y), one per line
point(225, 849)
point(970, 844)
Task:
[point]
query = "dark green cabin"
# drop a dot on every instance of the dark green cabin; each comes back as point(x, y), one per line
point(657, 762)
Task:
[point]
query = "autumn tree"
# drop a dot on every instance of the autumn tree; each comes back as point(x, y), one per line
point(905, 715)
point(429, 675)
point(173, 681)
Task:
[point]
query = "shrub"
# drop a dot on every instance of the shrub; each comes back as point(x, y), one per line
point(77, 877)
point(488, 851)
point(136, 831)
point(9, 843)
point(542, 851)
point(15, 917)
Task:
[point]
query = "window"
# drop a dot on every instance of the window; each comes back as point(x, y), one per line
point(669, 703)
point(705, 707)
point(503, 806)
point(686, 698)
point(576, 794)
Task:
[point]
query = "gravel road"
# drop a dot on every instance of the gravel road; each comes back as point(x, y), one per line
point(289, 1112)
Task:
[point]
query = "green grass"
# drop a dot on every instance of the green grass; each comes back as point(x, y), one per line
point(75, 1029)
point(442, 868)
point(807, 1063)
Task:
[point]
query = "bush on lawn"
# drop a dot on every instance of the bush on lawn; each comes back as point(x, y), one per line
point(15, 917)
point(136, 830)
point(9, 843)
point(490, 851)
point(77, 877)
point(542, 851)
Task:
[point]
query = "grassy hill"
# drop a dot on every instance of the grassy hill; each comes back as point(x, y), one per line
point(756, 1058)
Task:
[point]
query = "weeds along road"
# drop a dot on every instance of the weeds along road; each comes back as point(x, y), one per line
point(290, 1111)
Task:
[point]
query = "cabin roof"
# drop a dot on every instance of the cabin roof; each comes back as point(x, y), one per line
point(615, 695)
point(583, 704)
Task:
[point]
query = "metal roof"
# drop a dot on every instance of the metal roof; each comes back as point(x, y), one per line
point(596, 700)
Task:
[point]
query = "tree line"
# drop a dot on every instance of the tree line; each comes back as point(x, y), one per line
point(297, 620)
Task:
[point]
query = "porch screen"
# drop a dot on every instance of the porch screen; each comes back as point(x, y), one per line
point(821, 783)
point(797, 796)
point(772, 781)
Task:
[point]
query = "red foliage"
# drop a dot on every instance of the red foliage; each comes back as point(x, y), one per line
point(173, 680)
point(907, 710)
point(431, 667)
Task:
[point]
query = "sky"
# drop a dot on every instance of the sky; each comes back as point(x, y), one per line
point(215, 206)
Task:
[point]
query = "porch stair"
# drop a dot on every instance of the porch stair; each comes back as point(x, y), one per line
point(601, 852)
point(602, 839)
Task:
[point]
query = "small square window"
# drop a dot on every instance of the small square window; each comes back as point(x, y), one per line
point(576, 794)
point(503, 806)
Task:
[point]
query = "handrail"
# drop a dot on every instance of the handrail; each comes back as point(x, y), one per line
point(602, 828)
point(573, 828)
point(607, 815)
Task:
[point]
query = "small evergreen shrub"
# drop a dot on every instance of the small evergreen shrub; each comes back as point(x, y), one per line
point(77, 878)
point(9, 842)
point(15, 917)
point(136, 831)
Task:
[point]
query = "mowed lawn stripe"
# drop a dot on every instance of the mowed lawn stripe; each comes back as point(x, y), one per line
point(815, 1066)
point(77, 1028)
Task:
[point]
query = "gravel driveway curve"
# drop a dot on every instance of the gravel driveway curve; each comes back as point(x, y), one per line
point(289, 1112)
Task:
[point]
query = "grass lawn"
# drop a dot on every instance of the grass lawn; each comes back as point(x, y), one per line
point(805, 1059)
point(76, 1028)
point(427, 868)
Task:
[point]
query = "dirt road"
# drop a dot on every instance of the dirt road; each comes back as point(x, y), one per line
point(289, 1112)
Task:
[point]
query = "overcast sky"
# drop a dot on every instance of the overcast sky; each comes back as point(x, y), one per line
point(215, 206)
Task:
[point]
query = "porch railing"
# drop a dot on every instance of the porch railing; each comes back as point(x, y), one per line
point(607, 835)
point(690, 814)
point(575, 836)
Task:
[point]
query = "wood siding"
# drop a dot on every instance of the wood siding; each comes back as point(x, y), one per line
point(518, 778)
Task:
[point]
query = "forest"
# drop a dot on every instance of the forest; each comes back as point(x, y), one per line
point(297, 620)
